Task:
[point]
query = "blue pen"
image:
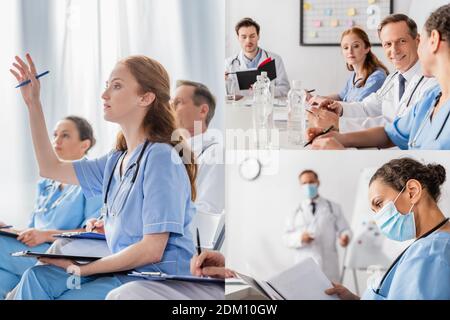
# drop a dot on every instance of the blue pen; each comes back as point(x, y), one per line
point(29, 81)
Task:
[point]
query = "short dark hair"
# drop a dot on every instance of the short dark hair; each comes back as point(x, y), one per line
point(310, 172)
point(439, 20)
point(84, 129)
point(247, 22)
point(397, 172)
point(400, 17)
point(201, 95)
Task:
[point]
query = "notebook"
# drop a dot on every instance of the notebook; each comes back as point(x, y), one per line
point(11, 233)
point(303, 281)
point(31, 254)
point(248, 77)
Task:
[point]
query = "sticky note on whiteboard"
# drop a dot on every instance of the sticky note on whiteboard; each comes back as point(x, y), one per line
point(313, 34)
point(371, 1)
point(350, 23)
point(334, 23)
point(317, 23)
point(307, 6)
point(328, 12)
point(351, 12)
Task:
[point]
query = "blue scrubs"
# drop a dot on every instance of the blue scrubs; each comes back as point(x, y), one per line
point(422, 273)
point(159, 201)
point(351, 93)
point(55, 209)
point(417, 130)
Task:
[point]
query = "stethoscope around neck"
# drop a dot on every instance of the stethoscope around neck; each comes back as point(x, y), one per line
point(236, 59)
point(104, 210)
point(413, 142)
point(443, 222)
point(43, 208)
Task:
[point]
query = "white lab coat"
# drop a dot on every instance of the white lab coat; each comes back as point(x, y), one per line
point(382, 106)
point(327, 224)
point(237, 63)
point(211, 172)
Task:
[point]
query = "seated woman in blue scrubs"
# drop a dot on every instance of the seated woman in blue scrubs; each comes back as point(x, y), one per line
point(427, 126)
point(147, 186)
point(367, 72)
point(59, 207)
point(403, 194)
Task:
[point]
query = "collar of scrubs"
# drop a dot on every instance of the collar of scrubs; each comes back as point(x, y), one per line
point(131, 161)
point(251, 64)
point(54, 196)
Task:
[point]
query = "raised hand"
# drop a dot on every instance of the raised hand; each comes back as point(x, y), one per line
point(24, 71)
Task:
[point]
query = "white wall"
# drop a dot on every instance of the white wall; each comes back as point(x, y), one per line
point(256, 211)
point(321, 68)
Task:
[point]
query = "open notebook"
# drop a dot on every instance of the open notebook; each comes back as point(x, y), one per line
point(303, 281)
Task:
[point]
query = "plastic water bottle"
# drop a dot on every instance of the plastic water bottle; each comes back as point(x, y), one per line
point(268, 84)
point(262, 112)
point(296, 124)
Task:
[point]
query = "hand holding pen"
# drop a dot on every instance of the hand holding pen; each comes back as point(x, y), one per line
point(96, 224)
point(313, 133)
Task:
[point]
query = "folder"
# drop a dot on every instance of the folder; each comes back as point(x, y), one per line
point(31, 254)
point(303, 281)
point(160, 276)
point(248, 77)
point(11, 233)
point(81, 235)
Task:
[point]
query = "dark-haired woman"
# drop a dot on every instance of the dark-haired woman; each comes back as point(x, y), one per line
point(147, 187)
point(368, 73)
point(59, 207)
point(404, 197)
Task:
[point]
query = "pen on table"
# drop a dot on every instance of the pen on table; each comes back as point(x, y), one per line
point(6, 227)
point(320, 134)
point(199, 248)
point(24, 83)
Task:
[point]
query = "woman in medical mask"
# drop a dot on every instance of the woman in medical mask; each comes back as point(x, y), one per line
point(403, 195)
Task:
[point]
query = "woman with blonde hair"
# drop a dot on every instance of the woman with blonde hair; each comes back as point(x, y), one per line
point(146, 185)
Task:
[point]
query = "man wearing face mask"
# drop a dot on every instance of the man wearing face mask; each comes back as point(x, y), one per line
point(314, 226)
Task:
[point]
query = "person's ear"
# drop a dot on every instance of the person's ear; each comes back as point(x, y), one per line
point(414, 190)
point(146, 99)
point(204, 109)
point(435, 39)
point(85, 145)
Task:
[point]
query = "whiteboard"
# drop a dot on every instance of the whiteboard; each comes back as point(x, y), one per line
point(322, 22)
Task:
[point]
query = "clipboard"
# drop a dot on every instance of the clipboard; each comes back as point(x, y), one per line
point(160, 276)
point(248, 77)
point(81, 235)
point(10, 234)
point(31, 254)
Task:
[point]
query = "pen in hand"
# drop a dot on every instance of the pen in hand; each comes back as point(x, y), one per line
point(24, 83)
point(199, 248)
point(99, 219)
point(6, 227)
point(320, 134)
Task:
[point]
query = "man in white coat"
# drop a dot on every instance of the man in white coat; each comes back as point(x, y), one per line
point(251, 55)
point(401, 90)
point(314, 227)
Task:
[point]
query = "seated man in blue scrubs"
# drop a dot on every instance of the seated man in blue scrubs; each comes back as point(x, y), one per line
point(368, 72)
point(427, 125)
point(59, 207)
point(404, 195)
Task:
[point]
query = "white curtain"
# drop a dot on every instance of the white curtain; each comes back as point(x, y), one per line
point(79, 41)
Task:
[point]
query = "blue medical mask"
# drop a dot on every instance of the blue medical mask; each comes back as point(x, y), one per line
point(309, 190)
point(393, 224)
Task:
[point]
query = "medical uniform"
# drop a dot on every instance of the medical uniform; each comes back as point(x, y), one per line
point(241, 63)
point(422, 273)
point(418, 130)
point(56, 209)
point(325, 225)
point(352, 92)
point(158, 201)
point(382, 106)
point(211, 172)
